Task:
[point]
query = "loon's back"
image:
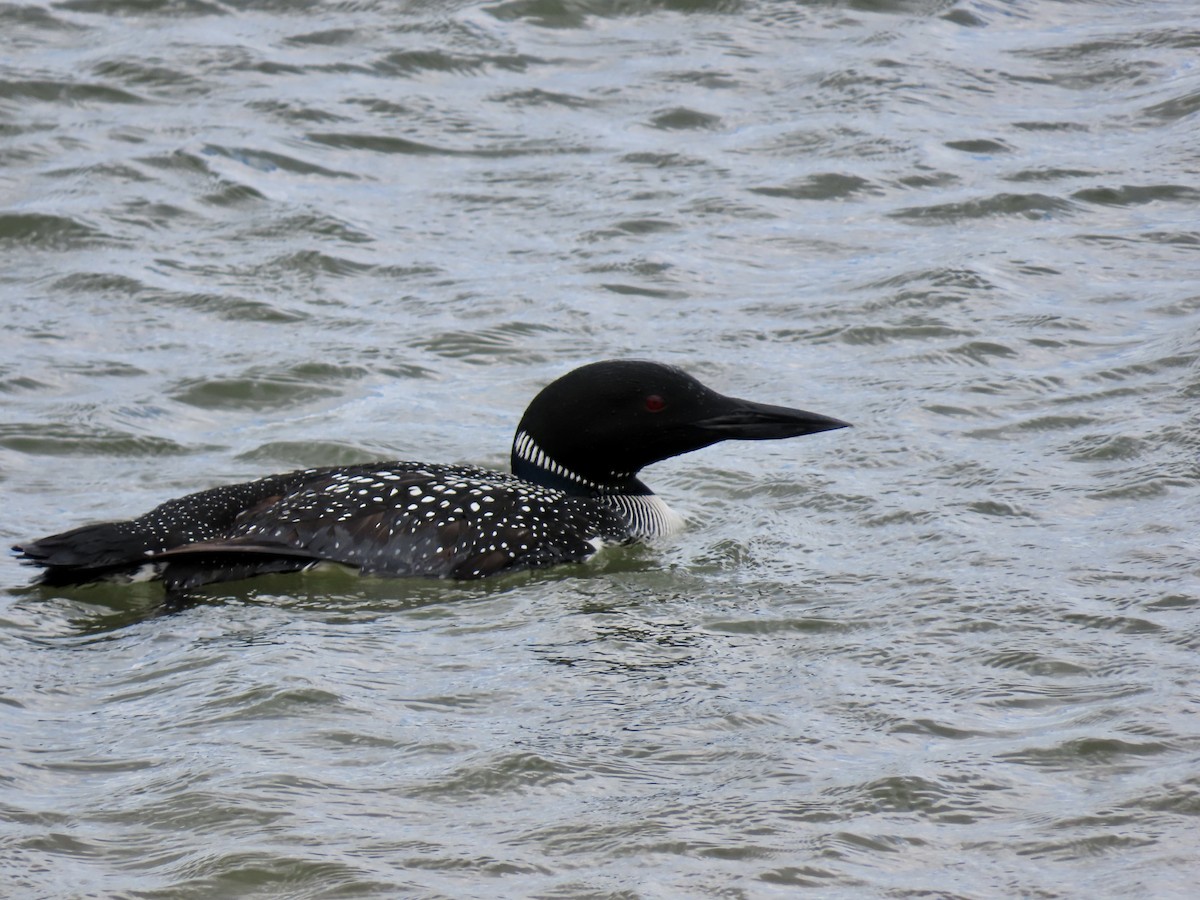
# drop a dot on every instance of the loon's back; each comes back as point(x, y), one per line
point(391, 519)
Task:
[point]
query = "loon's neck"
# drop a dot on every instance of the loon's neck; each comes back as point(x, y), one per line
point(531, 462)
point(648, 515)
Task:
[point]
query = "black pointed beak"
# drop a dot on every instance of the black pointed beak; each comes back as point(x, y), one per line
point(745, 420)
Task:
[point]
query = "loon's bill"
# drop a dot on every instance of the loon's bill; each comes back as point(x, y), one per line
point(574, 488)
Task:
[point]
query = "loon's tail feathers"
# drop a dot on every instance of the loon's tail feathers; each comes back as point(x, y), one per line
point(89, 547)
point(112, 551)
point(88, 553)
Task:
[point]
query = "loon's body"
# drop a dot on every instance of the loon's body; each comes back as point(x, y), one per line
point(575, 458)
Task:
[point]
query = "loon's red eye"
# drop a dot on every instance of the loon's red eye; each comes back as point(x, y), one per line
point(655, 403)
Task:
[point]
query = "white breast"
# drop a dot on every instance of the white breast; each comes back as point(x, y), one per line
point(649, 516)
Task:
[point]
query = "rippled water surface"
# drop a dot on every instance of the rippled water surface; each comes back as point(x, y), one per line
point(951, 652)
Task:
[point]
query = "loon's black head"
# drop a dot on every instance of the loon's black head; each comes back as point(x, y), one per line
point(595, 428)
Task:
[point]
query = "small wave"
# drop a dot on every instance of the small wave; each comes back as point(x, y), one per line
point(48, 439)
point(267, 389)
point(45, 231)
point(826, 186)
point(1029, 206)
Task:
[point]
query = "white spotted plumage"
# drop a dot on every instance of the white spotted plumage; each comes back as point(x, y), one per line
point(408, 518)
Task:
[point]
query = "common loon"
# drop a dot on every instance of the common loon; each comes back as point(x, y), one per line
point(573, 488)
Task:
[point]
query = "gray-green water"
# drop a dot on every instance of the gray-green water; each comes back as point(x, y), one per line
point(951, 652)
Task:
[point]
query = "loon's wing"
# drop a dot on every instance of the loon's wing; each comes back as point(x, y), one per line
point(441, 521)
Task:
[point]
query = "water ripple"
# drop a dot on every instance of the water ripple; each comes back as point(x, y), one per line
point(907, 658)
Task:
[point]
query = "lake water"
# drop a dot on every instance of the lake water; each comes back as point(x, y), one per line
point(950, 652)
